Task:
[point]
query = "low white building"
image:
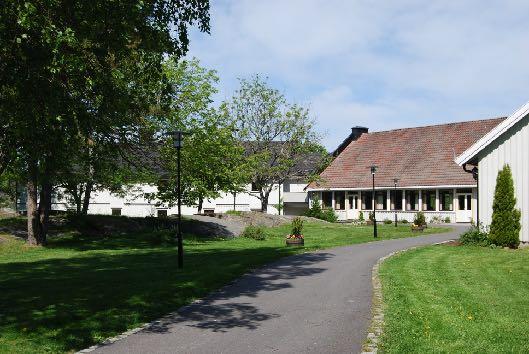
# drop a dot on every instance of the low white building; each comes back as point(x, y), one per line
point(508, 143)
point(291, 193)
point(421, 160)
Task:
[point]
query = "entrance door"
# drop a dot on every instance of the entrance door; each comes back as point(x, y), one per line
point(353, 206)
point(464, 207)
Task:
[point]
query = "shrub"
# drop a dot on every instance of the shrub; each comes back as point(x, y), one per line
point(361, 217)
point(505, 226)
point(387, 221)
point(234, 212)
point(419, 219)
point(329, 215)
point(476, 235)
point(297, 226)
point(372, 215)
point(254, 232)
point(404, 221)
point(447, 220)
point(315, 209)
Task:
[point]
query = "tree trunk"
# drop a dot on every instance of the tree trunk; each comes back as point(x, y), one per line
point(264, 202)
point(33, 212)
point(86, 201)
point(44, 210)
point(200, 203)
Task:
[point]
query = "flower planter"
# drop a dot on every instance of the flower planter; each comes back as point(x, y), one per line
point(415, 228)
point(295, 240)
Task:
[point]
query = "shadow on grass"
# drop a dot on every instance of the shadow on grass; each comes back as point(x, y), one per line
point(72, 303)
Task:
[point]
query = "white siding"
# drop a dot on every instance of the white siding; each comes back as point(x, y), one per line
point(511, 148)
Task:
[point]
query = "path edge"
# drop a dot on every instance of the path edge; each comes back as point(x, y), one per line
point(376, 328)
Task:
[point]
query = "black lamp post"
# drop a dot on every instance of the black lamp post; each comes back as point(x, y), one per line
point(395, 181)
point(177, 143)
point(373, 171)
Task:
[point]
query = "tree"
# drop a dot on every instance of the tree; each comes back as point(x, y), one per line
point(81, 69)
point(505, 226)
point(277, 135)
point(212, 158)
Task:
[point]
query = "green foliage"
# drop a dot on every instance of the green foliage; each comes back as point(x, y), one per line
point(254, 232)
point(234, 212)
point(278, 134)
point(329, 215)
point(212, 158)
point(404, 221)
point(447, 220)
point(505, 226)
point(297, 226)
point(316, 211)
point(372, 215)
point(90, 82)
point(361, 216)
point(476, 235)
point(388, 221)
point(419, 219)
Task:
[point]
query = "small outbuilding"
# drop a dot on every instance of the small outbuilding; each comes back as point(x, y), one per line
point(507, 143)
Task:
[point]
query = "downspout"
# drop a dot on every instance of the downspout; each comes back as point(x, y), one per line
point(475, 174)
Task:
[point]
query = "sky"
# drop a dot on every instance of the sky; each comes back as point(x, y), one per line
point(378, 64)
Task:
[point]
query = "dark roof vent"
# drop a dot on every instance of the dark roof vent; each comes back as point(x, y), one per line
point(356, 132)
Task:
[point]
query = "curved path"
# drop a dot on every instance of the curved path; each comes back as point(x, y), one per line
point(310, 303)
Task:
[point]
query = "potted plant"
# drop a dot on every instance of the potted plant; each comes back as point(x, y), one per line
point(419, 222)
point(296, 237)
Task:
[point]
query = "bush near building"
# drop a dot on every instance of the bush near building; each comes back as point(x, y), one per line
point(505, 226)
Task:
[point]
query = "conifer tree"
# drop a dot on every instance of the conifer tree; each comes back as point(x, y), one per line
point(505, 226)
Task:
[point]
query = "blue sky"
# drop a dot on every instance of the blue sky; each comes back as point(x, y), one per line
point(379, 64)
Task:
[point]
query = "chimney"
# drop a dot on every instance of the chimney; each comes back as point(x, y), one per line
point(356, 132)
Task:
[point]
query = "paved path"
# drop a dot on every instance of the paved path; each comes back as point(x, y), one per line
point(310, 303)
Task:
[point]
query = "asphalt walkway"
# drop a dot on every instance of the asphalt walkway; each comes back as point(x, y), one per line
point(310, 303)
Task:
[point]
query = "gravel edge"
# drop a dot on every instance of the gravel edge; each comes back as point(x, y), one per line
point(376, 328)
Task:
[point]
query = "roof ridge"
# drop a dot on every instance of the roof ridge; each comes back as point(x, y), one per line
point(439, 125)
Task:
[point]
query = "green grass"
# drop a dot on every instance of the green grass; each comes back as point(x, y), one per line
point(82, 289)
point(447, 299)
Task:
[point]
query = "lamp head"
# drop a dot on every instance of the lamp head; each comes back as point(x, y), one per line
point(374, 169)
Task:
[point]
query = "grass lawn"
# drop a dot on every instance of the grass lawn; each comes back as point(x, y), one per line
point(450, 299)
point(82, 289)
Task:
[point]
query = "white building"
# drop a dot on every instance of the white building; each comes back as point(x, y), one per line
point(508, 143)
point(294, 202)
point(422, 161)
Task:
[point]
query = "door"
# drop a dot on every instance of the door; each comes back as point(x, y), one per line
point(353, 206)
point(464, 207)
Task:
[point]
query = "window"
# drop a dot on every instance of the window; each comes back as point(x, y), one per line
point(116, 211)
point(428, 200)
point(161, 213)
point(326, 200)
point(446, 200)
point(254, 187)
point(412, 200)
point(353, 202)
point(381, 200)
point(396, 204)
point(339, 200)
point(367, 200)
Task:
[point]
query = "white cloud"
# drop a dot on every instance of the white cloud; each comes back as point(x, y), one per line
point(380, 64)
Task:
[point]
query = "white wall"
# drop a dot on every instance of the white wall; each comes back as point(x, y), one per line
point(135, 204)
point(511, 148)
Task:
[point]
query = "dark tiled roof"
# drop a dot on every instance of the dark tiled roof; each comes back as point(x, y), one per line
point(422, 156)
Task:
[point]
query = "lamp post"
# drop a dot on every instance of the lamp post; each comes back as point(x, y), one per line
point(177, 143)
point(373, 171)
point(395, 181)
